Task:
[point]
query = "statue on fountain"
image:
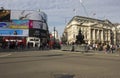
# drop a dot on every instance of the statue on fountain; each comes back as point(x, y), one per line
point(80, 38)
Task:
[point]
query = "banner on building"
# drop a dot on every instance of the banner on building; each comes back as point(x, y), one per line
point(5, 15)
point(4, 25)
point(19, 24)
point(13, 32)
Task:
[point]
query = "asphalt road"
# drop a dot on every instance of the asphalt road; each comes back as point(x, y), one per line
point(54, 63)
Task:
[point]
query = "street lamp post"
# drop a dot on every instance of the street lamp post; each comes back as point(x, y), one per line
point(54, 39)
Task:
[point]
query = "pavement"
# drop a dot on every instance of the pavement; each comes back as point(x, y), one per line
point(90, 52)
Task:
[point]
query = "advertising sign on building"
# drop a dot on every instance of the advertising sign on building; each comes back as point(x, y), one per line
point(4, 25)
point(35, 24)
point(19, 24)
point(34, 32)
point(37, 33)
point(5, 15)
point(13, 32)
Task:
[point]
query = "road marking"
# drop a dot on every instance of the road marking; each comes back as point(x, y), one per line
point(5, 55)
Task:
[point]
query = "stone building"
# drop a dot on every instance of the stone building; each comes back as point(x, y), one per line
point(94, 30)
point(117, 25)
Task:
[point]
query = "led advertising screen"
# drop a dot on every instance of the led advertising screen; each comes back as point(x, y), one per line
point(5, 15)
point(37, 33)
point(13, 32)
point(34, 32)
point(4, 25)
point(19, 24)
point(35, 24)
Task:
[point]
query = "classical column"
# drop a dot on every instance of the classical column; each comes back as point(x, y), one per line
point(107, 36)
point(89, 35)
point(102, 36)
point(93, 34)
point(109, 32)
point(98, 35)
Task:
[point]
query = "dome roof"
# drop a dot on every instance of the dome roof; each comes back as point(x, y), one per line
point(34, 16)
point(30, 15)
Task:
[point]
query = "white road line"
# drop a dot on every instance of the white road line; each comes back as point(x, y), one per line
point(5, 55)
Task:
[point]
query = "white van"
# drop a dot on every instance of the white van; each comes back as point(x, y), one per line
point(33, 41)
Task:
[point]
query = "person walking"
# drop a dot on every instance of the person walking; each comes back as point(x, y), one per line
point(16, 44)
point(112, 48)
point(108, 48)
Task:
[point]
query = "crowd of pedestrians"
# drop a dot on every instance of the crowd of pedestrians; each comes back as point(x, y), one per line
point(107, 48)
point(20, 45)
point(12, 45)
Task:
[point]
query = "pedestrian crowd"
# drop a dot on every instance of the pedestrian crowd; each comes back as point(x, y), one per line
point(107, 48)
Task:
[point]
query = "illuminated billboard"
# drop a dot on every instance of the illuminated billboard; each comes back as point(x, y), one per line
point(19, 24)
point(35, 24)
point(37, 33)
point(5, 15)
point(13, 32)
point(4, 25)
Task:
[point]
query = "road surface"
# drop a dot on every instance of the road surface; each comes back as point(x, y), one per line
point(49, 64)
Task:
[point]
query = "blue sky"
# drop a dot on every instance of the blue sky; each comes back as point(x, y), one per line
point(61, 11)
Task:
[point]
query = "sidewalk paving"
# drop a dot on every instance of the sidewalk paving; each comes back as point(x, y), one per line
point(55, 50)
point(92, 52)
